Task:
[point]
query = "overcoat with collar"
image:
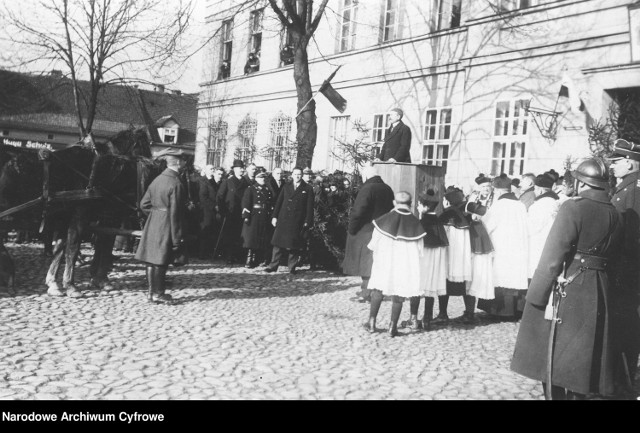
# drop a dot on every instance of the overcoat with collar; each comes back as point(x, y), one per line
point(230, 196)
point(583, 350)
point(626, 321)
point(294, 209)
point(208, 200)
point(164, 202)
point(397, 143)
point(374, 199)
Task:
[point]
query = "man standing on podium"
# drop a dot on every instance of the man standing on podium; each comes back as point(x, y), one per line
point(397, 140)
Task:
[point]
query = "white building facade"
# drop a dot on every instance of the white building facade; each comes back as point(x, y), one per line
point(463, 71)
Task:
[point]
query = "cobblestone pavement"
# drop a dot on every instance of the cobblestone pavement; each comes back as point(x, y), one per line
point(235, 333)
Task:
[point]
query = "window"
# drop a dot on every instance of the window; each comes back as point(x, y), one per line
point(226, 49)
point(390, 21)
point(255, 26)
point(170, 135)
point(337, 137)
point(445, 14)
point(380, 125)
point(436, 137)
point(510, 137)
point(5, 132)
point(511, 5)
point(217, 143)
point(281, 152)
point(50, 136)
point(348, 19)
point(247, 131)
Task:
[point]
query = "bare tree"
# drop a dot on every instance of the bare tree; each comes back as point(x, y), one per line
point(100, 41)
point(359, 151)
point(301, 21)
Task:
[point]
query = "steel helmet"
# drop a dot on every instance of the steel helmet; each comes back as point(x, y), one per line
point(593, 172)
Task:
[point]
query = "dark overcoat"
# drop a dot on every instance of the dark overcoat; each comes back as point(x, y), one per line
point(208, 191)
point(374, 199)
point(397, 143)
point(257, 207)
point(230, 206)
point(275, 188)
point(583, 351)
point(626, 321)
point(164, 202)
point(294, 209)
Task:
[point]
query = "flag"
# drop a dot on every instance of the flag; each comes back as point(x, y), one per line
point(569, 90)
point(330, 93)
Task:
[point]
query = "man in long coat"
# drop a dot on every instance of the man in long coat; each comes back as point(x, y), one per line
point(230, 206)
point(209, 226)
point(374, 199)
point(162, 238)
point(626, 317)
point(585, 234)
point(397, 139)
point(276, 182)
point(257, 205)
point(292, 216)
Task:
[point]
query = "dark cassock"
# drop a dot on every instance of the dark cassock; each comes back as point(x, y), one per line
point(374, 199)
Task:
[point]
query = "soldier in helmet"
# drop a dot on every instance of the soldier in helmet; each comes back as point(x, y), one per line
point(625, 164)
point(578, 254)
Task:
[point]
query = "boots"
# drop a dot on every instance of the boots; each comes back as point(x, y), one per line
point(156, 278)
point(396, 309)
point(428, 313)
point(249, 263)
point(151, 282)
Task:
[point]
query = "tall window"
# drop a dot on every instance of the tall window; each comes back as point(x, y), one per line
point(349, 17)
point(436, 137)
point(510, 137)
point(247, 131)
point(337, 137)
point(286, 47)
point(445, 14)
point(390, 21)
point(380, 125)
point(217, 142)
point(226, 49)
point(281, 152)
point(256, 31)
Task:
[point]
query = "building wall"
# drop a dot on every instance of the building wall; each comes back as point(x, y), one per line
point(491, 57)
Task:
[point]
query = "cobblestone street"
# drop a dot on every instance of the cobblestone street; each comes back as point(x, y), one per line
point(234, 333)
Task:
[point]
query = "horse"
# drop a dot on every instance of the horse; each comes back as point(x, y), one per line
point(96, 184)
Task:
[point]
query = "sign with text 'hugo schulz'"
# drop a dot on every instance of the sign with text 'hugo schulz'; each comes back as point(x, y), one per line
point(30, 144)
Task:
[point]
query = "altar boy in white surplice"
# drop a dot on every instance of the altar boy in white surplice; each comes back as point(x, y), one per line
point(397, 246)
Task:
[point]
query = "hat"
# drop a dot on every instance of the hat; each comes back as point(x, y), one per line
point(515, 182)
point(262, 174)
point(171, 151)
point(553, 174)
point(237, 163)
point(454, 195)
point(307, 171)
point(593, 172)
point(482, 179)
point(544, 181)
point(625, 149)
point(502, 182)
point(431, 197)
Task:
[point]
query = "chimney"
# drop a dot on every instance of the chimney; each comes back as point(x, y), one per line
point(56, 73)
point(159, 88)
point(177, 92)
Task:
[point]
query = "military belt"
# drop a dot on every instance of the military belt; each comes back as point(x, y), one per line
point(589, 261)
point(258, 206)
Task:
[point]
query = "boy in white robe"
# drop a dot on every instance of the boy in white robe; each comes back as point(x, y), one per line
point(397, 247)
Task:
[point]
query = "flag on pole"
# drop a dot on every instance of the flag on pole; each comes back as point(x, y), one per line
point(330, 93)
point(569, 90)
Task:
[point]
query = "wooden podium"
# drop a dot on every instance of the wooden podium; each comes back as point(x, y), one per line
point(416, 179)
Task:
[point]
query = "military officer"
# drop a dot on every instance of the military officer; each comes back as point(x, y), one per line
point(625, 164)
point(230, 206)
point(292, 217)
point(257, 205)
point(585, 235)
point(162, 238)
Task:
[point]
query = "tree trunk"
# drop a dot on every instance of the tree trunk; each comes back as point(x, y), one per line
point(307, 128)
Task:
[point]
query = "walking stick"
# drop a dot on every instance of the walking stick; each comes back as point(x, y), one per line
point(215, 251)
point(552, 334)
